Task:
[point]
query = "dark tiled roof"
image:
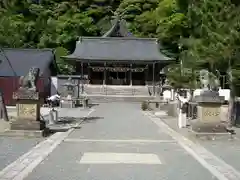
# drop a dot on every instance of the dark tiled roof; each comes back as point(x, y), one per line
point(23, 59)
point(118, 49)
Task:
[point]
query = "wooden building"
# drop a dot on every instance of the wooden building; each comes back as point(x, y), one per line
point(118, 58)
point(18, 64)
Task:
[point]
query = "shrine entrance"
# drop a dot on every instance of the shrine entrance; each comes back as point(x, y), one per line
point(117, 74)
point(118, 78)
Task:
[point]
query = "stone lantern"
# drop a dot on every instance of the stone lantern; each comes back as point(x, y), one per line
point(69, 87)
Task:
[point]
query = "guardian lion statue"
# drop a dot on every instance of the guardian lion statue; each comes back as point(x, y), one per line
point(29, 81)
point(209, 81)
point(204, 79)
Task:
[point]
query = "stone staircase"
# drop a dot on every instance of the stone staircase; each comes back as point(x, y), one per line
point(115, 98)
point(116, 90)
point(92, 89)
point(99, 93)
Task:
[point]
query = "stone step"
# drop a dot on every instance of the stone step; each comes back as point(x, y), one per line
point(109, 98)
point(118, 92)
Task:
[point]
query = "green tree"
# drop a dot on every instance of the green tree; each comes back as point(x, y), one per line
point(63, 66)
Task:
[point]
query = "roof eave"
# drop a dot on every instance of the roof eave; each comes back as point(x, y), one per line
point(117, 60)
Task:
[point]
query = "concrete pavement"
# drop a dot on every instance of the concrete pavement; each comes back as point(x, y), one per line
point(223, 146)
point(19, 155)
point(11, 148)
point(119, 142)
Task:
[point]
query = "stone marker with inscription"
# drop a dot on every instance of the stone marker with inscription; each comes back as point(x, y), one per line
point(208, 113)
point(28, 103)
point(208, 106)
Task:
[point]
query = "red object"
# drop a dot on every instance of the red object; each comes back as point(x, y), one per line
point(10, 84)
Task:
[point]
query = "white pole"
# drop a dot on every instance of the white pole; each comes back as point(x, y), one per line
point(180, 125)
point(182, 117)
point(172, 95)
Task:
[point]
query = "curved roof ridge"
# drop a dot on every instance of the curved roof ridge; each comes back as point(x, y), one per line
point(112, 29)
point(118, 27)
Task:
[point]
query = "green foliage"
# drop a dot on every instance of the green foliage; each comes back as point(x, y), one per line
point(211, 39)
point(64, 66)
point(51, 23)
point(201, 34)
point(181, 78)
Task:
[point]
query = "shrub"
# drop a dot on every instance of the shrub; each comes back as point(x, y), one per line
point(144, 106)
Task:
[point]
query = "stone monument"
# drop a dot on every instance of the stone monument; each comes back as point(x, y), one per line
point(68, 101)
point(28, 103)
point(208, 107)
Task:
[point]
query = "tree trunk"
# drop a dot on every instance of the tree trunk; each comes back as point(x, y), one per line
point(231, 108)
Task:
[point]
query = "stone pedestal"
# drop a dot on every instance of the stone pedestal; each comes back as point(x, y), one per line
point(67, 102)
point(209, 113)
point(28, 111)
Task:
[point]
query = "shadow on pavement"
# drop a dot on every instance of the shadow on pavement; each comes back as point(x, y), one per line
point(91, 119)
point(89, 105)
point(67, 120)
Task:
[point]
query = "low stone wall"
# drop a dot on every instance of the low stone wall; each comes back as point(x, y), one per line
point(172, 109)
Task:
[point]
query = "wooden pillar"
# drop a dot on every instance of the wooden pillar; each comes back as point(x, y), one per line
point(89, 73)
point(104, 74)
point(146, 74)
point(154, 89)
point(82, 86)
point(77, 68)
point(130, 74)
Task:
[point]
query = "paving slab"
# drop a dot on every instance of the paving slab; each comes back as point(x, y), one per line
point(116, 130)
point(228, 150)
point(65, 163)
point(120, 142)
point(11, 148)
point(222, 146)
point(20, 165)
point(119, 121)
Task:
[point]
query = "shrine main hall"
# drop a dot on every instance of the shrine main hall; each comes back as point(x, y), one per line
point(118, 58)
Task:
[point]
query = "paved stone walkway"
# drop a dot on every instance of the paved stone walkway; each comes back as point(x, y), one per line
point(223, 146)
point(20, 155)
point(11, 148)
point(118, 142)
